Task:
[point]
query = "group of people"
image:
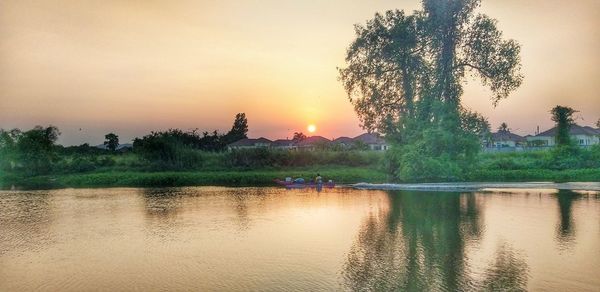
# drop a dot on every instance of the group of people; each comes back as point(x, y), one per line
point(317, 180)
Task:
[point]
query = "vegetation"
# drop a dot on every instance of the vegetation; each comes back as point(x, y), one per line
point(189, 178)
point(405, 75)
point(112, 141)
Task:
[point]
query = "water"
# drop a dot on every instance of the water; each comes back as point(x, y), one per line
point(270, 239)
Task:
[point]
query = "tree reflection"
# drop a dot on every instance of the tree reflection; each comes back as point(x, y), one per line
point(419, 244)
point(162, 203)
point(508, 272)
point(239, 197)
point(565, 229)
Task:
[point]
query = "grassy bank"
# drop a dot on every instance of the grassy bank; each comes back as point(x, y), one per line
point(344, 175)
point(526, 175)
point(188, 178)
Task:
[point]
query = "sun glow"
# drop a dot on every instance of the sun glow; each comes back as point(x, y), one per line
point(312, 128)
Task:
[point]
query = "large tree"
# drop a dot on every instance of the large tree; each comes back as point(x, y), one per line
point(405, 74)
point(35, 149)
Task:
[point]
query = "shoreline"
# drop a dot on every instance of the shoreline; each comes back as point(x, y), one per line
point(481, 186)
point(360, 177)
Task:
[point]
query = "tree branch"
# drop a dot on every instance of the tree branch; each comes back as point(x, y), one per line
point(481, 70)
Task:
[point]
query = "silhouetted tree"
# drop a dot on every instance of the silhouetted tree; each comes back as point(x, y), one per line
point(598, 123)
point(298, 136)
point(112, 141)
point(503, 128)
point(239, 130)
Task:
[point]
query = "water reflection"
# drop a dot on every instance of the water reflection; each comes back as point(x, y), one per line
point(25, 221)
point(161, 208)
point(565, 229)
point(508, 272)
point(419, 244)
point(240, 199)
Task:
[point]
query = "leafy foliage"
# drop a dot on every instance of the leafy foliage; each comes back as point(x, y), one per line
point(239, 130)
point(112, 141)
point(298, 136)
point(31, 151)
point(404, 76)
point(563, 117)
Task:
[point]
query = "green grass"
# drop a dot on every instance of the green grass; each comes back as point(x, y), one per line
point(189, 178)
point(522, 175)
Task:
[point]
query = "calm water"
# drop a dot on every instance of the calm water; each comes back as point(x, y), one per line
point(230, 239)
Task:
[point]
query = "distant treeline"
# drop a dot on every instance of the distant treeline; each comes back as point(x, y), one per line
point(35, 152)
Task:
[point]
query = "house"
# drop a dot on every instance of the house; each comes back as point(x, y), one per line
point(505, 138)
point(373, 141)
point(248, 143)
point(583, 135)
point(121, 147)
point(284, 144)
point(313, 142)
point(343, 142)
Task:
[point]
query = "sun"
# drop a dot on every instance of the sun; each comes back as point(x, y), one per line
point(312, 128)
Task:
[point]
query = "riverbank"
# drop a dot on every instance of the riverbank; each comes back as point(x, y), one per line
point(482, 186)
point(341, 175)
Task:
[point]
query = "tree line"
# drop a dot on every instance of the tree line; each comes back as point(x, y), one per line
point(35, 151)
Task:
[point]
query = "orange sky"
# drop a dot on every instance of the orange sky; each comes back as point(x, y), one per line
point(136, 66)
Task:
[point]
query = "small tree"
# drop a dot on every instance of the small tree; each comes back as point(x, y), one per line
point(563, 117)
point(112, 141)
point(239, 130)
point(598, 123)
point(298, 136)
point(503, 128)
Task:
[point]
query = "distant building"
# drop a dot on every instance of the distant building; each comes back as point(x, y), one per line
point(121, 148)
point(248, 143)
point(373, 141)
point(583, 136)
point(284, 144)
point(344, 142)
point(313, 142)
point(505, 138)
point(370, 140)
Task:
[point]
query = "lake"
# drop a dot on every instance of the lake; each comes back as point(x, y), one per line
point(271, 239)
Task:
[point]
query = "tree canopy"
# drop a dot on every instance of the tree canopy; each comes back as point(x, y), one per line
point(563, 117)
point(239, 130)
point(405, 75)
point(112, 141)
point(400, 65)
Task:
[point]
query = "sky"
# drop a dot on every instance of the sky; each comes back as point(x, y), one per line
point(130, 67)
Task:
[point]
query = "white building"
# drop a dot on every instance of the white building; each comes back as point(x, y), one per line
point(582, 135)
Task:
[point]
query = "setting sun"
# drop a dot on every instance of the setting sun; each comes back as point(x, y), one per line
point(312, 128)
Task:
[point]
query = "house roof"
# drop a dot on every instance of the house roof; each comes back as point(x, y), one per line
point(283, 143)
point(575, 130)
point(507, 136)
point(250, 142)
point(370, 138)
point(343, 140)
point(119, 147)
point(313, 140)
